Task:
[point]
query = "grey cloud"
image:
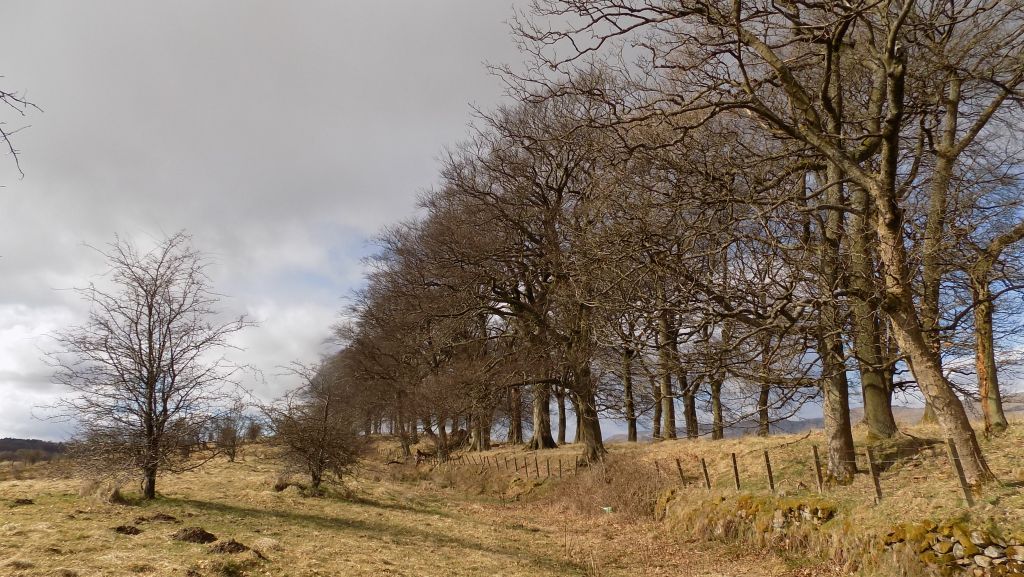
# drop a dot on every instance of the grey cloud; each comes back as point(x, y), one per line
point(282, 135)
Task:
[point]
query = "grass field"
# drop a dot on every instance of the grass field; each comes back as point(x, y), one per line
point(376, 527)
point(470, 520)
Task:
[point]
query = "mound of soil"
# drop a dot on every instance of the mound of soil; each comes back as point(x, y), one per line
point(127, 530)
point(194, 535)
point(229, 546)
point(157, 518)
point(23, 502)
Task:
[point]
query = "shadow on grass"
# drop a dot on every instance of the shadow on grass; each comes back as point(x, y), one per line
point(372, 529)
point(421, 510)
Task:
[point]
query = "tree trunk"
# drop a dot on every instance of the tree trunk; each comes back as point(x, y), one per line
point(542, 438)
point(985, 359)
point(152, 457)
point(442, 438)
point(149, 484)
point(764, 394)
point(717, 419)
point(474, 434)
point(577, 434)
point(910, 337)
point(928, 416)
point(835, 387)
point(908, 329)
point(589, 427)
point(656, 419)
point(763, 421)
point(560, 398)
point(403, 435)
point(836, 408)
point(689, 392)
point(481, 428)
point(875, 380)
point(627, 392)
point(666, 350)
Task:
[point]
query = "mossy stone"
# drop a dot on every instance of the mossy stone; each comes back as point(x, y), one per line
point(661, 507)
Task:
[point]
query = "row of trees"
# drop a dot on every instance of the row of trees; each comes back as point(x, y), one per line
point(718, 209)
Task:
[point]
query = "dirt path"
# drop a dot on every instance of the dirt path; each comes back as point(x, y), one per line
point(386, 529)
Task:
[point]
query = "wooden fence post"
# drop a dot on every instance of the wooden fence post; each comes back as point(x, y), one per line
point(707, 478)
point(657, 467)
point(735, 471)
point(577, 469)
point(679, 467)
point(548, 461)
point(817, 470)
point(536, 466)
point(874, 476)
point(954, 457)
point(559, 467)
point(768, 466)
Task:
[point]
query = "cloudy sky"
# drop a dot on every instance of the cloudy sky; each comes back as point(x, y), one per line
point(281, 135)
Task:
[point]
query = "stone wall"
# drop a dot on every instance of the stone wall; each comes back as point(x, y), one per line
point(956, 547)
point(953, 548)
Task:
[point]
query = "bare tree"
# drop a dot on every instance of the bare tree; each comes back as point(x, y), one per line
point(147, 370)
point(317, 424)
point(21, 106)
point(854, 85)
point(229, 430)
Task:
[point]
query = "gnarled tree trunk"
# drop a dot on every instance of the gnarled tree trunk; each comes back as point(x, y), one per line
point(542, 438)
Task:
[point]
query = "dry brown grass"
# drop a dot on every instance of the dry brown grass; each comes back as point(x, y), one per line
point(620, 485)
point(399, 519)
point(429, 524)
point(917, 480)
point(916, 477)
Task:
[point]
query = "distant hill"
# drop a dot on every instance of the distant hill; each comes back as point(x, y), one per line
point(787, 426)
point(1012, 403)
point(25, 449)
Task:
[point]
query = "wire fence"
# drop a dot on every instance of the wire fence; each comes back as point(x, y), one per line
point(694, 470)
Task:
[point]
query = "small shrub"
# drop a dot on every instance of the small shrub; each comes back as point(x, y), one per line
point(104, 491)
point(281, 484)
point(116, 497)
point(89, 488)
point(627, 485)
